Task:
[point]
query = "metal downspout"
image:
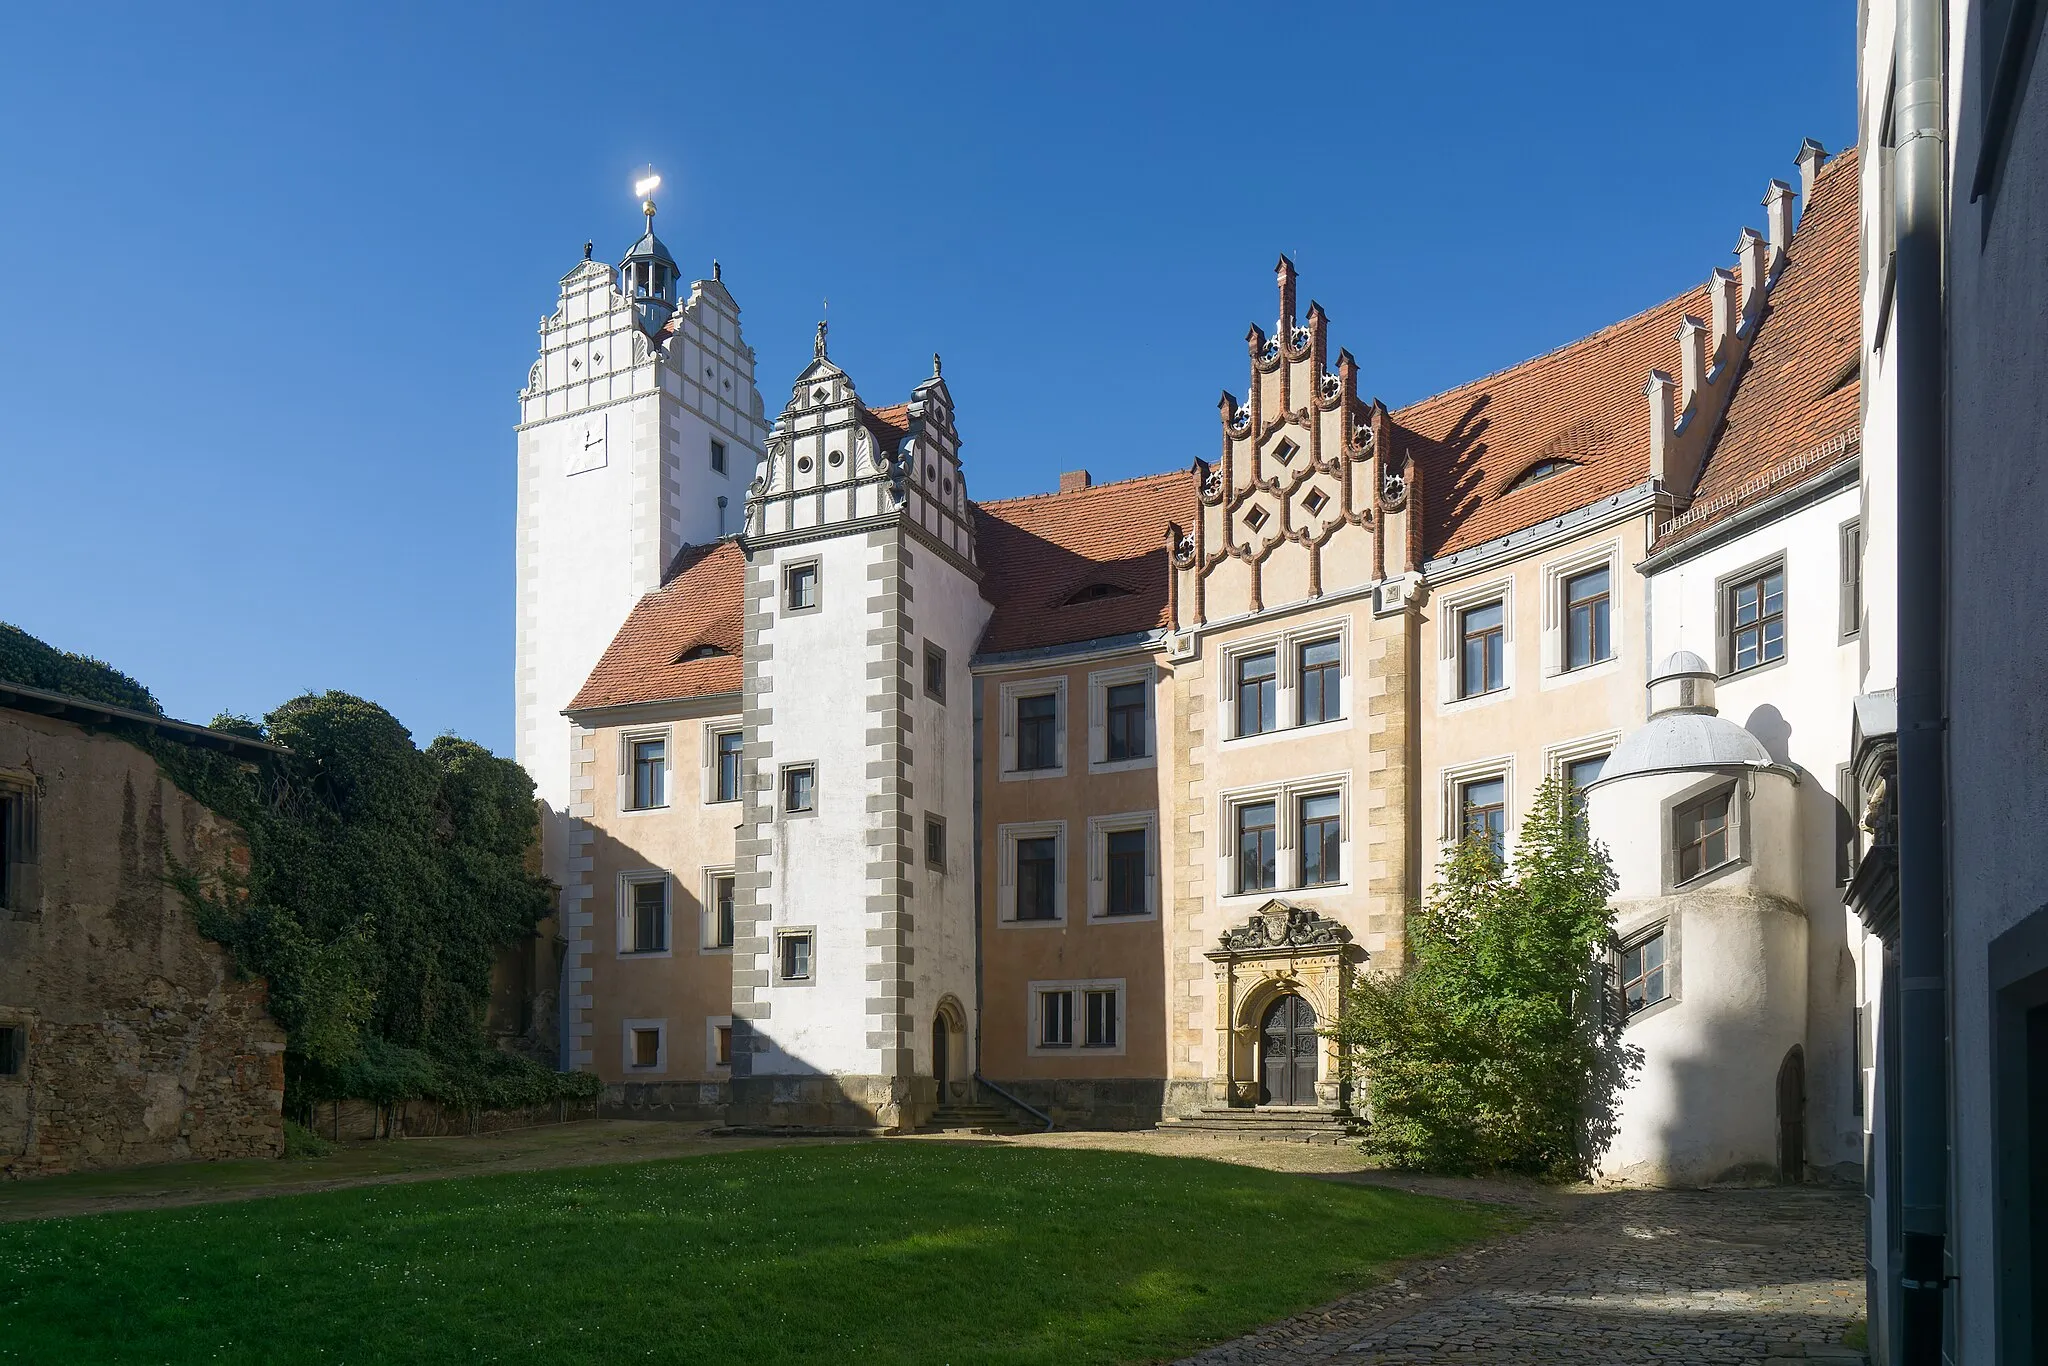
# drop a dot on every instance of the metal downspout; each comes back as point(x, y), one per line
point(1919, 333)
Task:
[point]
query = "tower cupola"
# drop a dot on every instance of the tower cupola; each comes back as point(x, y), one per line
point(648, 274)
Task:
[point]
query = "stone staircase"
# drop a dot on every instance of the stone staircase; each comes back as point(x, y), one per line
point(1271, 1123)
point(974, 1118)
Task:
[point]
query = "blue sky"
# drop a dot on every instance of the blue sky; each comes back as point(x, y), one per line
point(275, 271)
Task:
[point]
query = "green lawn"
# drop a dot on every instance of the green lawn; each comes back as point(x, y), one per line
point(912, 1252)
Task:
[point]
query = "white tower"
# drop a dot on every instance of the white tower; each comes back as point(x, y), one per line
point(853, 960)
point(639, 430)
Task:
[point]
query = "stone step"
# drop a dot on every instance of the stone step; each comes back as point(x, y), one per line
point(1277, 1123)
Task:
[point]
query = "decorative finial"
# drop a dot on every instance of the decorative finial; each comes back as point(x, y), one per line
point(586, 250)
point(935, 365)
point(645, 187)
point(818, 347)
point(716, 273)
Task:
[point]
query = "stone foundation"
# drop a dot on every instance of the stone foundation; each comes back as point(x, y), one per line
point(678, 1100)
point(357, 1120)
point(846, 1104)
point(1107, 1103)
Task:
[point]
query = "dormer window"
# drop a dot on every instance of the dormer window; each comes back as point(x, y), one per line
point(1096, 592)
point(1540, 471)
point(705, 651)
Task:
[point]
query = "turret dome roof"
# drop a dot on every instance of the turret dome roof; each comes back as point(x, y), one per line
point(1678, 740)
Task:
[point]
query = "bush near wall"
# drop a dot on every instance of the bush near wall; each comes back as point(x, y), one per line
point(382, 881)
point(1498, 1048)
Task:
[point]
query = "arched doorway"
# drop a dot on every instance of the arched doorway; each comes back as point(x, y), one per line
point(942, 1048)
point(1792, 1116)
point(950, 1067)
point(1288, 1045)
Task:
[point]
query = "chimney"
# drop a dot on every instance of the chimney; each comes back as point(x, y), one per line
point(1778, 211)
point(1723, 289)
point(1692, 360)
point(1658, 391)
point(1749, 264)
point(1812, 156)
point(1072, 481)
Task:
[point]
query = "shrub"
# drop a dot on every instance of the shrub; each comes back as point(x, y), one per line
point(1499, 1047)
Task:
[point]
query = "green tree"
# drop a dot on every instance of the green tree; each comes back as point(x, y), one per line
point(1498, 1047)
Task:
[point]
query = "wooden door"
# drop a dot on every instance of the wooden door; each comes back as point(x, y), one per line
point(1288, 1045)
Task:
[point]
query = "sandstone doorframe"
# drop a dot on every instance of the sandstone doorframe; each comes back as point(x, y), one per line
point(1281, 949)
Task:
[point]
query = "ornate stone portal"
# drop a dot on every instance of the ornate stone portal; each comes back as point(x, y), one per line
point(1282, 950)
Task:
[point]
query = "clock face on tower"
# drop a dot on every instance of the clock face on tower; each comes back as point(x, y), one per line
point(586, 443)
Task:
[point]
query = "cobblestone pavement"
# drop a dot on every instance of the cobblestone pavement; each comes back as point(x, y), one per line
point(1691, 1278)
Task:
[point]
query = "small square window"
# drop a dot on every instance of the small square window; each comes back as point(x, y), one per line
point(1038, 735)
point(1101, 1019)
point(799, 789)
point(1643, 975)
point(728, 749)
point(1055, 1019)
point(934, 673)
point(800, 587)
point(1316, 501)
point(722, 897)
point(1127, 736)
point(722, 1048)
point(1285, 451)
point(647, 1047)
point(793, 956)
point(13, 1050)
point(718, 457)
point(1255, 517)
point(648, 930)
point(1700, 835)
point(934, 843)
point(650, 774)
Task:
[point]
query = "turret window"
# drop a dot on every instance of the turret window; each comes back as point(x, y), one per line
point(1701, 835)
point(1644, 971)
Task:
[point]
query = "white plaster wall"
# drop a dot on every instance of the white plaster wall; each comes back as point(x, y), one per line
point(1703, 1109)
point(1997, 579)
point(1801, 711)
point(948, 610)
point(818, 866)
point(1628, 815)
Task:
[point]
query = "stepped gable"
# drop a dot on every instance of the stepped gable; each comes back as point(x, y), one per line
point(1582, 403)
point(696, 610)
point(1081, 565)
point(1795, 413)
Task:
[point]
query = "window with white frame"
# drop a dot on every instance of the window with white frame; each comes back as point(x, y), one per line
point(724, 751)
point(720, 895)
point(1034, 713)
point(1278, 684)
point(1476, 632)
point(1581, 596)
point(643, 765)
point(1483, 813)
point(1290, 836)
point(1031, 873)
point(645, 1045)
point(799, 789)
point(1578, 764)
point(1588, 633)
point(1123, 865)
point(1120, 719)
point(1083, 1016)
point(643, 913)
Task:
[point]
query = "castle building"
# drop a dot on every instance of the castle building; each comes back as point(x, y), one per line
point(1095, 802)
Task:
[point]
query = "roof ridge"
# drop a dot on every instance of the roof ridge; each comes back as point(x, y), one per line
point(1068, 493)
point(1557, 350)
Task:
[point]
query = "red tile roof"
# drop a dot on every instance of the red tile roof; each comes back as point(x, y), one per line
point(1582, 403)
point(1037, 553)
point(698, 606)
point(1796, 398)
